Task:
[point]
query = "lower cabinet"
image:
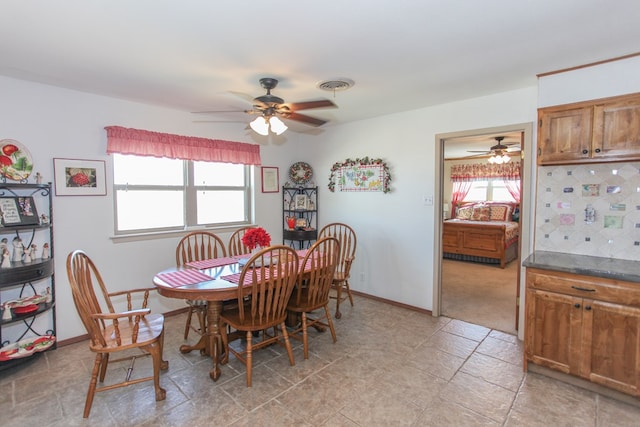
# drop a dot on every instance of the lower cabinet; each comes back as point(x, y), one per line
point(584, 326)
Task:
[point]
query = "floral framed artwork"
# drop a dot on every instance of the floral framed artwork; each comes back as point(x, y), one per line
point(270, 179)
point(360, 175)
point(79, 177)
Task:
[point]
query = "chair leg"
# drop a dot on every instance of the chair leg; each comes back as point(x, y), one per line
point(156, 355)
point(346, 285)
point(338, 298)
point(188, 324)
point(305, 336)
point(287, 344)
point(92, 384)
point(103, 366)
point(164, 365)
point(249, 358)
point(327, 314)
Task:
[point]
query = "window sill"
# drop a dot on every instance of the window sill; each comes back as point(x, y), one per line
point(138, 237)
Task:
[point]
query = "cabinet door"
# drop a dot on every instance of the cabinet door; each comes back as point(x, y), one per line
point(611, 338)
point(616, 129)
point(564, 135)
point(553, 330)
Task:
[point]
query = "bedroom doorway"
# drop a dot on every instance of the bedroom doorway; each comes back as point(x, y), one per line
point(478, 292)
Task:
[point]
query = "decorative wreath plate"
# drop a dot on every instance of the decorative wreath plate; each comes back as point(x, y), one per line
point(15, 160)
point(300, 173)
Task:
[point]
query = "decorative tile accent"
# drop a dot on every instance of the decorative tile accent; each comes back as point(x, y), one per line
point(612, 190)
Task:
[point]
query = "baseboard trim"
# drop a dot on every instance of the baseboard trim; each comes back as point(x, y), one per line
point(394, 303)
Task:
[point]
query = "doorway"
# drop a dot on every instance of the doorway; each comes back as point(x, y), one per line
point(475, 292)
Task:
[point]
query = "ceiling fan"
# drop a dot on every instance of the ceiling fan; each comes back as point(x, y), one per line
point(271, 108)
point(499, 151)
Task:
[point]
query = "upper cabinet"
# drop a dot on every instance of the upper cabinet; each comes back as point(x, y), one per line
point(604, 130)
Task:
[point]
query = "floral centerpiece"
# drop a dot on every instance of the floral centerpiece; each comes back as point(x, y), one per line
point(256, 237)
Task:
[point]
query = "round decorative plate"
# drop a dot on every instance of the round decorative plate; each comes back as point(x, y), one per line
point(300, 172)
point(15, 160)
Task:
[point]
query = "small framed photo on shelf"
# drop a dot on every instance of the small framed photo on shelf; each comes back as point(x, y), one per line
point(300, 202)
point(76, 177)
point(269, 179)
point(301, 223)
point(18, 211)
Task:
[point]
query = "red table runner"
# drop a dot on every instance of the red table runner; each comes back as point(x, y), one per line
point(211, 263)
point(235, 278)
point(183, 277)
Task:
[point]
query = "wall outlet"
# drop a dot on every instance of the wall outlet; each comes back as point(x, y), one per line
point(427, 200)
point(362, 276)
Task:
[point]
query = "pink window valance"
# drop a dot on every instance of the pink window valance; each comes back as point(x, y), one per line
point(485, 171)
point(147, 143)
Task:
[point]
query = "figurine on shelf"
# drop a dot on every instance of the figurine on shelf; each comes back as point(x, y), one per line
point(33, 251)
point(38, 178)
point(45, 251)
point(6, 258)
point(18, 249)
point(48, 297)
point(44, 219)
point(7, 312)
point(27, 254)
point(4, 243)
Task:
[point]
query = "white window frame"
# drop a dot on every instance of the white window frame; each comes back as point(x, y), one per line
point(488, 192)
point(190, 201)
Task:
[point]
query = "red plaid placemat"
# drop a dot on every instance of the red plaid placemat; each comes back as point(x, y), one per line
point(183, 277)
point(211, 263)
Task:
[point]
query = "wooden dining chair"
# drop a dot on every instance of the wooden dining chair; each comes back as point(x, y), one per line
point(110, 331)
point(198, 246)
point(235, 245)
point(269, 278)
point(312, 290)
point(347, 238)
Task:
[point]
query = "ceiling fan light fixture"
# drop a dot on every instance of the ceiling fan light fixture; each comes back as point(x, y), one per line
point(277, 125)
point(260, 125)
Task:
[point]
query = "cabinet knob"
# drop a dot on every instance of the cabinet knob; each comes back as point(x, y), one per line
point(576, 305)
point(597, 150)
point(585, 151)
point(587, 307)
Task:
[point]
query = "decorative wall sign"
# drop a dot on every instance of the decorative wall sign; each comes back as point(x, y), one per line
point(270, 179)
point(18, 211)
point(360, 175)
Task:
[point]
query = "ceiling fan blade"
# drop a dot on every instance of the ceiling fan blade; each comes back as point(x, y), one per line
point(304, 119)
point(321, 103)
point(218, 111)
point(478, 151)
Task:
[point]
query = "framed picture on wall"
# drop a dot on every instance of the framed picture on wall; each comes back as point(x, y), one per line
point(77, 177)
point(269, 179)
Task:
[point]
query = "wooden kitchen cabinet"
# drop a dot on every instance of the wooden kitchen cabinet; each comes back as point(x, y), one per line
point(590, 132)
point(584, 326)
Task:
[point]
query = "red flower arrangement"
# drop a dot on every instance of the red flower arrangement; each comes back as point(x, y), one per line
point(256, 237)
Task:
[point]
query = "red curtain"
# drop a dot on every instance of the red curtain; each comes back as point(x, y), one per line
point(513, 187)
point(146, 143)
point(460, 191)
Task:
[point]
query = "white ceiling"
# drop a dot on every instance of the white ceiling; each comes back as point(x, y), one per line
point(196, 55)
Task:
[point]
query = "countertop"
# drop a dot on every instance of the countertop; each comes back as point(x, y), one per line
point(617, 269)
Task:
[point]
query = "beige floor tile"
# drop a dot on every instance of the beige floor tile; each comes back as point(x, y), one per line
point(390, 366)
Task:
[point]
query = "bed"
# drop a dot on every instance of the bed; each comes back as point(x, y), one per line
point(482, 233)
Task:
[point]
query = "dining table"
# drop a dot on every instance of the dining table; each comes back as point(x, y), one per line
point(213, 281)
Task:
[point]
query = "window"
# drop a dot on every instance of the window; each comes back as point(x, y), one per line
point(493, 190)
point(158, 194)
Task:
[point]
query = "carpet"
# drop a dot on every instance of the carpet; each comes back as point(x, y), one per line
point(483, 294)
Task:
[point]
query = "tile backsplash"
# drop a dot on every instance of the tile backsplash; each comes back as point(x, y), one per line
point(589, 210)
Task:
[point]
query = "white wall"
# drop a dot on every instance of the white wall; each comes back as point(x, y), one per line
point(396, 230)
point(58, 123)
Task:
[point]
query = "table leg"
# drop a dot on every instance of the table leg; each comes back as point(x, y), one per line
point(213, 335)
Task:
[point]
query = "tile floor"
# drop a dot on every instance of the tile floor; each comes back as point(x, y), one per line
point(390, 366)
